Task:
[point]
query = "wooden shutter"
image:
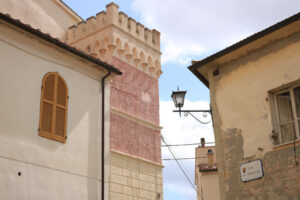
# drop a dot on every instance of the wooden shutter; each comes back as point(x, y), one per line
point(54, 106)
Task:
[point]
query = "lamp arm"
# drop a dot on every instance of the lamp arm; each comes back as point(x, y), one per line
point(204, 111)
point(189, 112)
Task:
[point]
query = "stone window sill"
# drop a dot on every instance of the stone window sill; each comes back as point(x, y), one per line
point(286, 145)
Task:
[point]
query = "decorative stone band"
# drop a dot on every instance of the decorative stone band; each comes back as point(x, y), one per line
point(137, 158)
point(135, 119)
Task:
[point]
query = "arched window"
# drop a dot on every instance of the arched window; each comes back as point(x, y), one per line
point(54, 107)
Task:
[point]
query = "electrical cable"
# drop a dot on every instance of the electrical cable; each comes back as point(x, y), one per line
point(182, 165)
point(166, 159)
point(181, 168)
point(191, 144)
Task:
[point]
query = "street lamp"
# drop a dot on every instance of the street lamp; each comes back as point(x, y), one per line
point(178, 99)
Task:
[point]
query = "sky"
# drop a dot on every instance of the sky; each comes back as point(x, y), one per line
point(191, 30)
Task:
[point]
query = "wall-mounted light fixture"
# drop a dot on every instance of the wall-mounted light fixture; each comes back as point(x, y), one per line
point(178, 99)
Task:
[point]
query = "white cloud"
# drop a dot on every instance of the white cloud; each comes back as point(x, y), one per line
point(184, 190)
point(179, 53)
point(184, 130)
point(192, 29)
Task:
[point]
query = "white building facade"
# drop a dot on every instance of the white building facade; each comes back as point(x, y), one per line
point(51, 130)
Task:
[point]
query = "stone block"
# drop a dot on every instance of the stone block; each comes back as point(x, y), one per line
point(142, 177)
point(117, 196)
point(133, 166)
point(145, 169)
point(126, 172)
point(159, 181)
point(135, 183)
point(133, 174)
point(116, 188)
point(144, 194)
point(128, 190)
point(118, 179)
point(116, 170)
point(118, 162)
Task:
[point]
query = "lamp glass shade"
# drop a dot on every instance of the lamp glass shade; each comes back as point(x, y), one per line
point(178, 98)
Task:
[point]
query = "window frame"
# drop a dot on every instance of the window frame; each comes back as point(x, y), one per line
point(54, 104)
point(289, 89)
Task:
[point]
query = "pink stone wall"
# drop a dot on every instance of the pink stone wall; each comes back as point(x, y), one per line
point(134, 139)
point(136, 93)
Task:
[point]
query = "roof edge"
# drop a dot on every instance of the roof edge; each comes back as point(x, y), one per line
point(200, 77)
point(248, 40)
point(58, 43)
point(66, 8)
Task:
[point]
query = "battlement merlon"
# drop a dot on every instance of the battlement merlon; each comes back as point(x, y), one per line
point(112, 16)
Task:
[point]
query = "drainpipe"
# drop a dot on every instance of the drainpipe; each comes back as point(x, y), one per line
point(103, 131)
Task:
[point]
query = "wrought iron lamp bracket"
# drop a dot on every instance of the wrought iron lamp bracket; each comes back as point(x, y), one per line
point(205, 113)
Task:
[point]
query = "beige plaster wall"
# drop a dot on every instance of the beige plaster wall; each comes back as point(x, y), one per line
point(201, 154)
point(208, 186)
point(134, 178)
point(49, 169)
point(207, 183)
point(242, 91)
point(243, 122)
point(48, 16)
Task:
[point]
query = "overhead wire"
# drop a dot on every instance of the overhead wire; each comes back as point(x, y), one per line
point(190, 144)
point(182, 158)
point(184, 173)
point(166, 159)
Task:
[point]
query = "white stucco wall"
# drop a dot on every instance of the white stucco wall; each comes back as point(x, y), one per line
point(242, 91)
point(49, 169)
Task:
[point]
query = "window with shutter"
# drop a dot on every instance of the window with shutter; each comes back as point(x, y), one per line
point(287, 105)
point(54, 106)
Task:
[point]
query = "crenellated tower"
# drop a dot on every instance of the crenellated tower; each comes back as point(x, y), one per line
point(135, 147)
point(114, 34)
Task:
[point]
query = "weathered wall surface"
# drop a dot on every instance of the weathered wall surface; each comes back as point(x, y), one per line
point(134, 178)
point(243, 121)
point(49, 16)
point(208, 186)
point(49, 169)
point(207, 182)
point(201, 155)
